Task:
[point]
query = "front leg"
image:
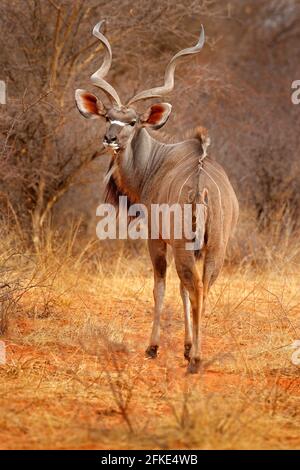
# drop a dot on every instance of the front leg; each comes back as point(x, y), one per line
point(158, 251)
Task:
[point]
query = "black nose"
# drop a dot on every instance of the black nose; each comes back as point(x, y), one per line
point(109, 140)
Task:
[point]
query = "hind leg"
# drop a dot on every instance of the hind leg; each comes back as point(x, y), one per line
point(187, 321)
point(212, 266)
point(191, 280)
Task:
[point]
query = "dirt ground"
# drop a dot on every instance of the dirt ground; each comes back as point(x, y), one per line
point(76, 375)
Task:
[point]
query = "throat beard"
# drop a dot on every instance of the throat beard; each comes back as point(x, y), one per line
point(115, 187)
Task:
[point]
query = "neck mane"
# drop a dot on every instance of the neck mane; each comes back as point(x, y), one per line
point(132, 168)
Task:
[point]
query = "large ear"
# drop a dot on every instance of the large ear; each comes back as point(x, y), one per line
point(157, 115)
point(89, 105)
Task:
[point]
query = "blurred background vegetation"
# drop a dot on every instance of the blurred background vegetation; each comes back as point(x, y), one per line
point(239, 87)
point(75, 311)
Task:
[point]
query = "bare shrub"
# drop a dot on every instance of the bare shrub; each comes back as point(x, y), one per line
point(277, 184)
point(239, 89)
point(41, 155)
point(5, 306)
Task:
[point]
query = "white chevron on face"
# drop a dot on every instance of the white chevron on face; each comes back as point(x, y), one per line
point(119, 123)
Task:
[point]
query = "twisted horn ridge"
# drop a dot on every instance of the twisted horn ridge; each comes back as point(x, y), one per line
point(98, 77)
point(168, 85)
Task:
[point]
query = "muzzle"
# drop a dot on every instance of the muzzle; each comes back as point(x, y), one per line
point(111, 142)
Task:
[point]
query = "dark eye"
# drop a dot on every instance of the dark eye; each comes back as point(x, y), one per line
point(132, 123)
point(107, 119)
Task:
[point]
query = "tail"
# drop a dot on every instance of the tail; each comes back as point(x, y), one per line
point(201, 134)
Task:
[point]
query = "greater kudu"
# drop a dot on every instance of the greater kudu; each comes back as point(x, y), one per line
point(150, 172)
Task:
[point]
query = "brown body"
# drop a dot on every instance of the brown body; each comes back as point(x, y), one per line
point(173, 174)
point(150, 172)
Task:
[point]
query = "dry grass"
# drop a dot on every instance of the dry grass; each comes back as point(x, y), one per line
point(76, 375)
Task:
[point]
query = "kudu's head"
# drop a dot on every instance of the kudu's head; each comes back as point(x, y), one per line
point(124, 121)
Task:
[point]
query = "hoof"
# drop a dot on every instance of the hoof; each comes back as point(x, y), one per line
point(187, 349)
point(151, 351)
point(194, 366)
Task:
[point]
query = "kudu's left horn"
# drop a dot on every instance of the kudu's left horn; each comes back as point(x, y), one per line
point(98, 77)
point(168, 85)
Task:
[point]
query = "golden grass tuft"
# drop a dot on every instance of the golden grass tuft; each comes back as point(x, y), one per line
point(77, 325)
